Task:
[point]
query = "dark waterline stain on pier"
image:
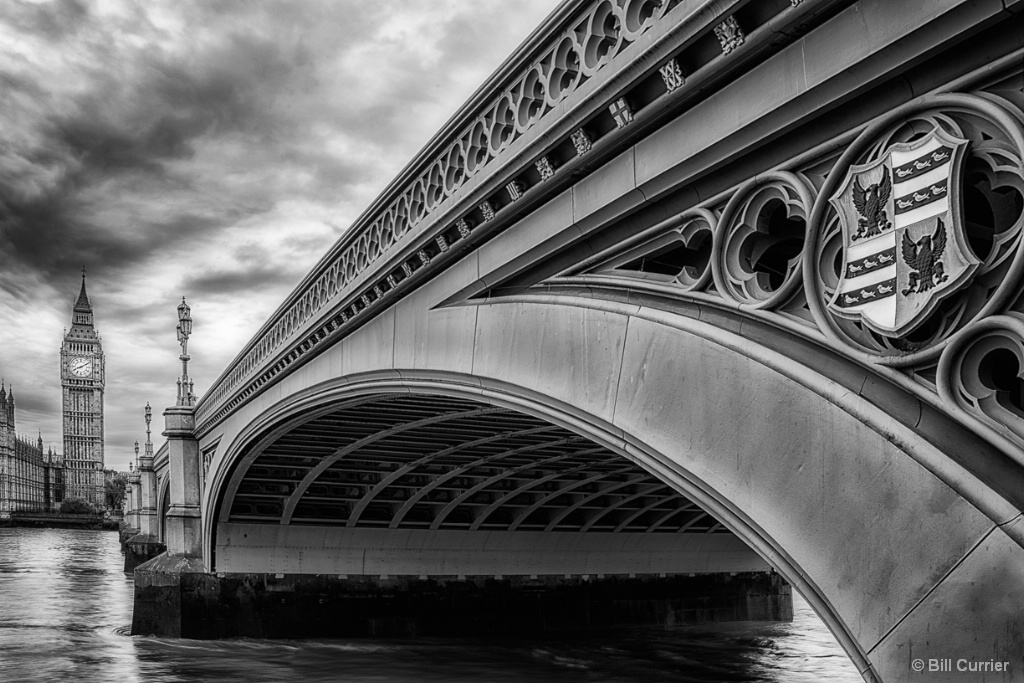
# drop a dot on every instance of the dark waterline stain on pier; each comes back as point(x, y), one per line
point(65, 607)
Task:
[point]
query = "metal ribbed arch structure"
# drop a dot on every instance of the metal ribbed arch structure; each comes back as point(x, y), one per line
point(699, 510)
point(455, 471)
point(482, 484)
point(443, 462)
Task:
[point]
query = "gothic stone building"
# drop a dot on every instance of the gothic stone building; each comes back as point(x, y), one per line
point(30, 480)
point(33, 481)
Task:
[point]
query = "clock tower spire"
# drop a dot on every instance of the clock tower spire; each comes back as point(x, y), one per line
point(83, 380)
point(82, 314)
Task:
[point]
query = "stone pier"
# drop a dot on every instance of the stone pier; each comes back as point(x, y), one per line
point(146, 543)
point(172, 586)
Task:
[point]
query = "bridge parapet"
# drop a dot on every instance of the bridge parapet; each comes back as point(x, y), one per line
point(553, 110)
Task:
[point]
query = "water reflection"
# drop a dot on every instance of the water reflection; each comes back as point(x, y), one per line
point(65, 608)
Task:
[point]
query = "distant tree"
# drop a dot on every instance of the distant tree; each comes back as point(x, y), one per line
point(76, 506)
point(114, 490)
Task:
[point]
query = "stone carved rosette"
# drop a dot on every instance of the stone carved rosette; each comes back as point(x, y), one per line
point(982, 372)
point(760, 240)
point(917, 229)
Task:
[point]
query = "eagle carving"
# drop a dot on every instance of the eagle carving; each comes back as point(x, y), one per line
point(905, 244)
point(870, 204)
point(925, 259)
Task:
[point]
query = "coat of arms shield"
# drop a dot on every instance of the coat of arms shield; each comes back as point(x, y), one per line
point(903, 235)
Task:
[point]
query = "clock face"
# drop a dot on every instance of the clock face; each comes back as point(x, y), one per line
point(81, 367)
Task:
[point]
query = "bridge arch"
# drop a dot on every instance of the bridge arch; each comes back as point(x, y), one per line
point(795, 450)
point(163, 504)
point(332, 395)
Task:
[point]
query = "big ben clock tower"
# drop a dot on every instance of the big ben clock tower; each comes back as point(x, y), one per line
point(82, 382)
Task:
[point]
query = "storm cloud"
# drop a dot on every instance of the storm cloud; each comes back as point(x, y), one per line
point(214, 149)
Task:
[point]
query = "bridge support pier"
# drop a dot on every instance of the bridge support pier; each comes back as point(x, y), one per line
point(125, 531)
point(183, 523)
point(170, 596)
point(140, 549)
point(130, 523)
point(181, 600)
point(145, 544)
point(167, 585)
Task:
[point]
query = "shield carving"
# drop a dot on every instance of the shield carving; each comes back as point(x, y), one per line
point(903, 235)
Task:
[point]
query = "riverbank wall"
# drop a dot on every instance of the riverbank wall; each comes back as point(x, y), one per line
point(43, 520)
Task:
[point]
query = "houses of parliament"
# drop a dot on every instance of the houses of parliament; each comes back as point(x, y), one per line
point(34, 481)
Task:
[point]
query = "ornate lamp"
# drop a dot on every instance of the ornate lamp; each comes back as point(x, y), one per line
point(185, 395)
point(184, 320)
point(149, 442)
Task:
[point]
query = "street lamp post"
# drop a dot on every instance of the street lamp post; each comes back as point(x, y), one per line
point(186, 397)
point(144, 485)
point(131, 496)
point(149, 441)
point(183, 532)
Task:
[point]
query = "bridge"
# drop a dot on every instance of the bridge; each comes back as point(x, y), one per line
point(718, 297)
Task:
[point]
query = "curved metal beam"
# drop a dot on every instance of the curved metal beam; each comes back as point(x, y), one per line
point(480, 486)
point(321, 467)
point(664, 518)
point(603, 513)
point(227, 500)
point(454, 472)
point(482, 517)
point(647, 508)
point(696, 518)
point(588, 498)
point(384, 483)
point(565, 489)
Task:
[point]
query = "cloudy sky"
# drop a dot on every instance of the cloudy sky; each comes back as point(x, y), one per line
point(208, 148)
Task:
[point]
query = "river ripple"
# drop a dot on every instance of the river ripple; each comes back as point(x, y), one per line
point(65, 610)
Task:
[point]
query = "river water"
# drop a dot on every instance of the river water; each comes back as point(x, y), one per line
point(66, 609)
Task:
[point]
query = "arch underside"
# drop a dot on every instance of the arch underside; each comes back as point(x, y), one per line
point(163, 505)
point(841, 498)
point(430, 462)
